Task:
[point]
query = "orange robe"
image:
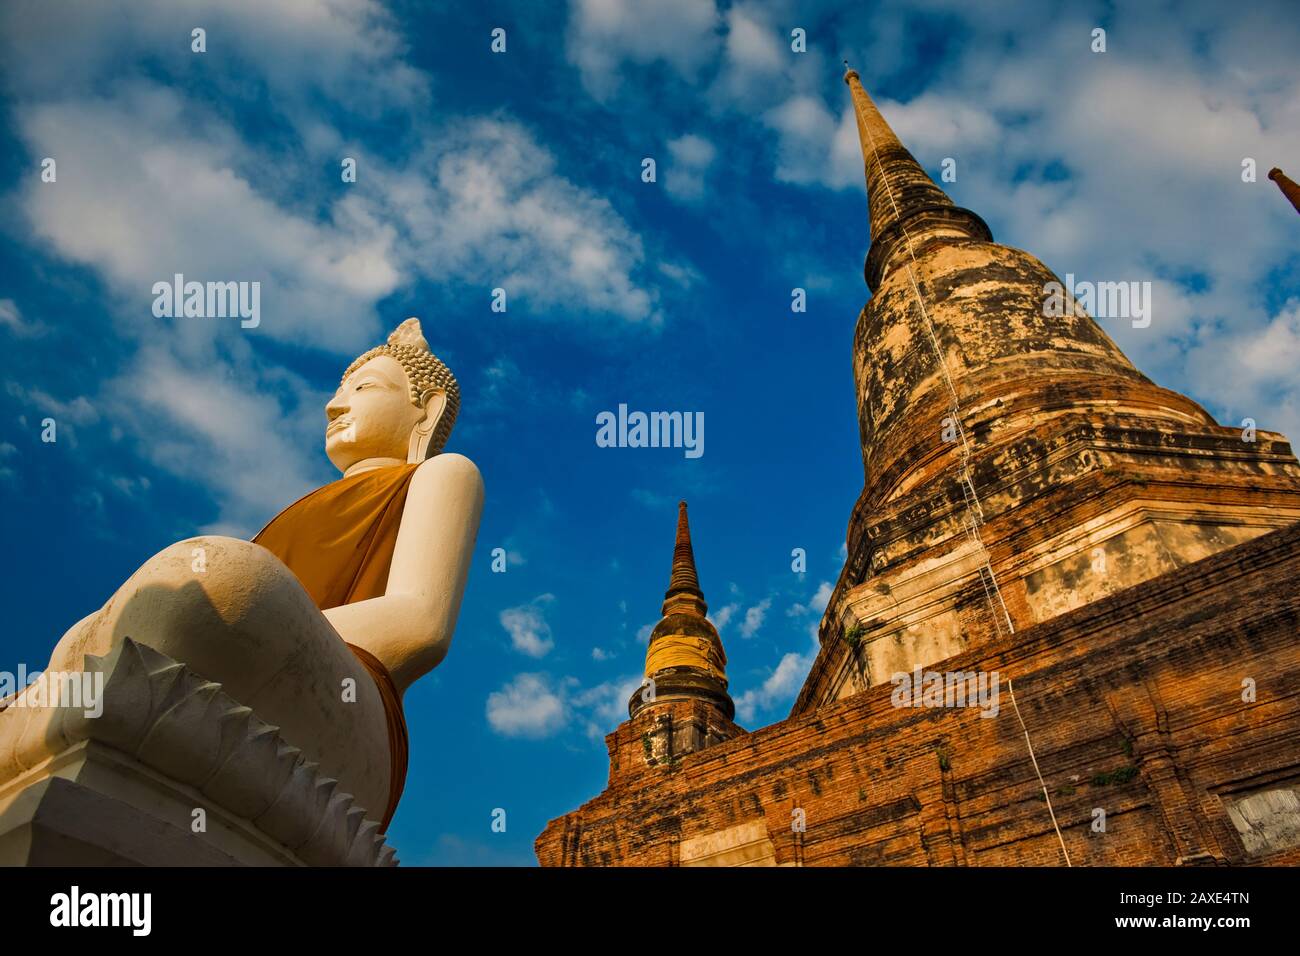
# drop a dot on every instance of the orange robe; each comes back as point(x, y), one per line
point(338, 541)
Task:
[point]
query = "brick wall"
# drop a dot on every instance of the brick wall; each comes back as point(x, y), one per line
point(1133, 704)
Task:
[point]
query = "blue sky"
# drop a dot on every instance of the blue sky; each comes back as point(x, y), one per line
point(522, 171)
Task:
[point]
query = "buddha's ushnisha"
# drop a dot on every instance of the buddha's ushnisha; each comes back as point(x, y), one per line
point(346, 597)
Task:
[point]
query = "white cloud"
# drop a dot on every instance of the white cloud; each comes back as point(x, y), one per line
point(757, 59)
point(785, 680)
point(78, 411)
point(781, 685)
point(128, 486)
point(753, 45)
point(722, 616)
point(754, 618)
point(1272, 353)
point(210, 425)
point(933, 124)
point(691, 158)
point(605, 705)
point(150, 186)
point(600, 654)
point(816, 604)
point(692, 150)
point(530, 706)
point(604, 34)
point(536, 706)
point(1262, 363)
point(171, 190)
point(813, 146)
point(339, 48)
point(11, 318)
point(495, 214)
point(526, 624)
point(501, 382)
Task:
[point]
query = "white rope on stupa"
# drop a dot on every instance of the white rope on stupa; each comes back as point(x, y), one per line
point(1047, 796)
point(973, 506)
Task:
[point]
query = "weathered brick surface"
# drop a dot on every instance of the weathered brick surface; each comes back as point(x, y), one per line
point(1143, 688)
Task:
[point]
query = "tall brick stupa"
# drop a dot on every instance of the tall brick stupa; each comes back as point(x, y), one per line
point(1017, 465)
point(1040, 521)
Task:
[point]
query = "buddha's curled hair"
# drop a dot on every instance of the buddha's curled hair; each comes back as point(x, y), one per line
point(424, 371)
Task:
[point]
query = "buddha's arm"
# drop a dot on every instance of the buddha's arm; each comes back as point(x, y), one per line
point(409, 629)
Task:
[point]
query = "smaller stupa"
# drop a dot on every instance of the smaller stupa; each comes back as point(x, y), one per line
point(684, 696)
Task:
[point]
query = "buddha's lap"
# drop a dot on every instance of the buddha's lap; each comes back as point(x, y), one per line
point(233, 613)
point(219, 582)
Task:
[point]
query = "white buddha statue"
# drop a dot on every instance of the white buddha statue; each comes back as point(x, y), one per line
point(346, 598)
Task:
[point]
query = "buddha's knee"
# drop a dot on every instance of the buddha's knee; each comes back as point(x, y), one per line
point(210, 574)
point(226, 607)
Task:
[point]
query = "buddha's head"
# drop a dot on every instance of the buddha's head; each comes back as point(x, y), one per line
point(396, 401)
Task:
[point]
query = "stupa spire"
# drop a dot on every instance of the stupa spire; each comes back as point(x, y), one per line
point(901, 196)
point(684, 583)
point(684, 656)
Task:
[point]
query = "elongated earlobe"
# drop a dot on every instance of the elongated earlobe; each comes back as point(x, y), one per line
point(435, 403)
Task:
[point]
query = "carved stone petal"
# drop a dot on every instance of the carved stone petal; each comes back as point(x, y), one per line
point(159, 713)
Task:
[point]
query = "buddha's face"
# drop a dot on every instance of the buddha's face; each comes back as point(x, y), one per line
point(371, 415)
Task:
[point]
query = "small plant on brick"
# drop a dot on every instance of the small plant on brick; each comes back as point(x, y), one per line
point(852, 637)
point(1122, 775)
point(1065, 790)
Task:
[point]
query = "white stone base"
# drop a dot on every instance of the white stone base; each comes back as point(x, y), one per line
point(173, 773)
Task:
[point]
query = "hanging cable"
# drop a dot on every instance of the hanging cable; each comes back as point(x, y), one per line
point(1047, 796)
